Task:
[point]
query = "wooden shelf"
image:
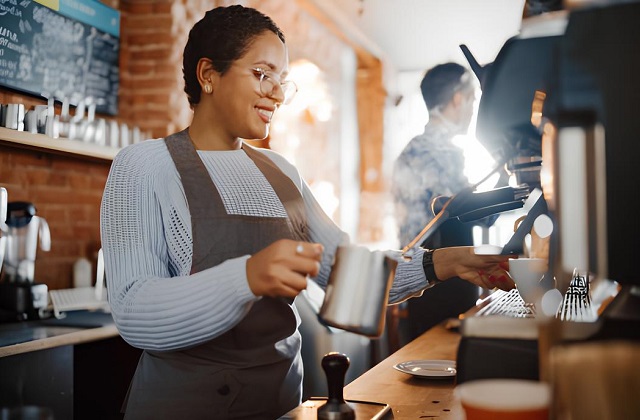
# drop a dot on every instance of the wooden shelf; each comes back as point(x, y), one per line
point(63, 146)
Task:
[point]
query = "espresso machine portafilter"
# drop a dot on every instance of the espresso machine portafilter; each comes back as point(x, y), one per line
point(358, 287)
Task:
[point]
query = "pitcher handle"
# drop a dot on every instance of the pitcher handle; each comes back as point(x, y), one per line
point(45, 234)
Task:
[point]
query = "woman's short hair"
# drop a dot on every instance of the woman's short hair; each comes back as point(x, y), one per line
point(223, 35)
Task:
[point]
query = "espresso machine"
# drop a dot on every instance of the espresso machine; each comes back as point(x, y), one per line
point(561, 97)
point(21, 297)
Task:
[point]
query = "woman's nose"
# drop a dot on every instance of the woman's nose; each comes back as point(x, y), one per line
point(277, 93)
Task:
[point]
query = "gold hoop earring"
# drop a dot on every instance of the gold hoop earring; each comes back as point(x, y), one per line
point(208, 89)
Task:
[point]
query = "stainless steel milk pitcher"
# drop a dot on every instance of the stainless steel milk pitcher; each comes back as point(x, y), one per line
point(358, 290)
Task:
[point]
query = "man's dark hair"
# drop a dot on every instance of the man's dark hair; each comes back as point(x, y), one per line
point(223, 35)
point(440, 83)
point(538, 7)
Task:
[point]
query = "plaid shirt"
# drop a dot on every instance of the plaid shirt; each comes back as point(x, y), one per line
point(429, 166)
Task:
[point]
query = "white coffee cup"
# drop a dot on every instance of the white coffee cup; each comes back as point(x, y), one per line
point(527, 273)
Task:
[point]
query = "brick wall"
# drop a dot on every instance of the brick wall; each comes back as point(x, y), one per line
point(66, 192)
point(152, 38)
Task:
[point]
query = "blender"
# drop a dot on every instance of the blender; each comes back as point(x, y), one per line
point(3, 225)
point(20, 296)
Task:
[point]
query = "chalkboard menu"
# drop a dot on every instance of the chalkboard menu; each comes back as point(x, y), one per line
point(61, 48)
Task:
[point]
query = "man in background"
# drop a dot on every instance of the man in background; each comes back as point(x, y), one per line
point(431, 166)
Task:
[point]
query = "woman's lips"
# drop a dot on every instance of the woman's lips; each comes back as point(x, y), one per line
point(265, 114)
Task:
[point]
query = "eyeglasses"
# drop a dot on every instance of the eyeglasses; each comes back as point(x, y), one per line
point(269, 83)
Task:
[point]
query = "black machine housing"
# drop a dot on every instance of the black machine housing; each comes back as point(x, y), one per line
point(585, 70)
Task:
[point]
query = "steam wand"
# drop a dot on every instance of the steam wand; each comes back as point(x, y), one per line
point(449, 209)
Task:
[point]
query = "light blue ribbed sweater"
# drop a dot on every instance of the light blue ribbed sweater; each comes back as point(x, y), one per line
point(146, 239)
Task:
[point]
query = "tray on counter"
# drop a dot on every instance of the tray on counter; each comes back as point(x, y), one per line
point(308, 410)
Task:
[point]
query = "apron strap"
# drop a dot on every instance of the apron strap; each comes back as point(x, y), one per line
point(286, 190)
point(202, 194)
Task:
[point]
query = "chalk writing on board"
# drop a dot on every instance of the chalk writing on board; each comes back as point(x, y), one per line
point(45, 53)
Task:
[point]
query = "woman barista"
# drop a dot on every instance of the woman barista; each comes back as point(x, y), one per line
point(207, 240)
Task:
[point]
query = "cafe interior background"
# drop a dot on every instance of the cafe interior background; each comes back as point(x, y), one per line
point(358, 65)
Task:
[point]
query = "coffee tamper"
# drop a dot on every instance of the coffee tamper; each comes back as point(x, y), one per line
point(335, 366)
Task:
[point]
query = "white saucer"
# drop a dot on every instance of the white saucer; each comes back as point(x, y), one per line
point(428, 368)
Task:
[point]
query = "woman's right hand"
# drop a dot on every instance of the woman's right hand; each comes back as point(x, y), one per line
point(487, 271)
point(281, 269)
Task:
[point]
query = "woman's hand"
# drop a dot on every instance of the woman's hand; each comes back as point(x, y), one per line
point(281, 269)
point(487, 271)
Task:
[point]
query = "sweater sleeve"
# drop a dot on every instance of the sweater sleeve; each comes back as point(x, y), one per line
point(410, 279)
point(156, 304)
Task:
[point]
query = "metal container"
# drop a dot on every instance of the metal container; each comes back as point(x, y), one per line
point(13, 116)
point(24, 229)
point(4, 229)
point(358, 290)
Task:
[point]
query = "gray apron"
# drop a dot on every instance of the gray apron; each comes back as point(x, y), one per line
point(240, 374)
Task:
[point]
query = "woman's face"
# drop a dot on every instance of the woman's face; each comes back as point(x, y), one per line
point(241, 110)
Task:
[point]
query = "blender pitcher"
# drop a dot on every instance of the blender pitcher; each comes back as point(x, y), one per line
point(3, 226)
point(24, 228)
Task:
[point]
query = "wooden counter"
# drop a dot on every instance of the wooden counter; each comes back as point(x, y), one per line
point(46, 144)
point(410, 397)
point(68, 338)
point(76, 328)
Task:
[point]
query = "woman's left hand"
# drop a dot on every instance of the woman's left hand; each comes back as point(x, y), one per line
point(487, 271)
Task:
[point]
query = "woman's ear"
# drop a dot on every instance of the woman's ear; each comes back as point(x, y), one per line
point(207, 75)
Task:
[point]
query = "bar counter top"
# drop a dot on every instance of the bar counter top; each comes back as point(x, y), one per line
point(76, 328)
point(409, 397)
point(412, 397)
